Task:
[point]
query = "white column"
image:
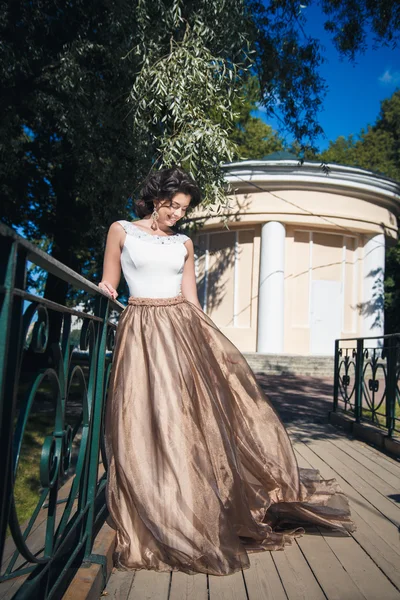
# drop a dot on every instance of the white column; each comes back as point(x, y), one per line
point(271, 289)
point(372, 301)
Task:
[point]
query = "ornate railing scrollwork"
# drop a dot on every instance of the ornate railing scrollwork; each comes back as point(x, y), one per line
point(52, 406)
point(367, 384)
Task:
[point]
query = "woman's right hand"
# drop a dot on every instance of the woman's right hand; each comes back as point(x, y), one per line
point(108, 288)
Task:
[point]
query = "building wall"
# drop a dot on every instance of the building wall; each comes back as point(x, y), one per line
point(320, 256)
point(228, 287)
point(324, 279)
point(227, 271)
point(319, 209)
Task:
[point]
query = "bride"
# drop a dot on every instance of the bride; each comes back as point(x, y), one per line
point(201, 471)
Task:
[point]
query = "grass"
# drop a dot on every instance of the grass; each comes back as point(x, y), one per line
point(41, 422)
point(27, 484)
point(380, 420)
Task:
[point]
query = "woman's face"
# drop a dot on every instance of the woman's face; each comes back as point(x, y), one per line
point(169, 212)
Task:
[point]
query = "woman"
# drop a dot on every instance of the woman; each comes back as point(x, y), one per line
point(201, 469)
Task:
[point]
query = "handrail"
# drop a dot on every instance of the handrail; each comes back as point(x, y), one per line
point(373, 337)
point(50, 264)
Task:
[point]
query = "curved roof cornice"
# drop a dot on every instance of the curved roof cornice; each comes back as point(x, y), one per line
point(267, 175)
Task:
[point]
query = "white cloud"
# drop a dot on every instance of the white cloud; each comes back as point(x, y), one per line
point(390, 77)
point(261, 108)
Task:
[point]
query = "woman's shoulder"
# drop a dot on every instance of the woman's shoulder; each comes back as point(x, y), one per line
point(116, 225)
point(127, 225)
point(119, 222)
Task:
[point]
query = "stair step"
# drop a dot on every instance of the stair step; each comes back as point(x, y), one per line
point(317, 366)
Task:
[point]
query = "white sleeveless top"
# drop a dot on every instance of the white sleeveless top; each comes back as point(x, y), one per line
point(152, 264)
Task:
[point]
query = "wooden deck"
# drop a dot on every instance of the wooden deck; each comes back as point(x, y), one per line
point(319, 565)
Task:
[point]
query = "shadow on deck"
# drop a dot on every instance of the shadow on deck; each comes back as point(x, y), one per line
point(319, 565)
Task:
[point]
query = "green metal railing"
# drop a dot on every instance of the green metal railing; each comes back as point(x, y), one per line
point(53, 385)
point(367, 376)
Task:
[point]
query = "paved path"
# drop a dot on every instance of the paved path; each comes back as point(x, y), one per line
point(319, 565)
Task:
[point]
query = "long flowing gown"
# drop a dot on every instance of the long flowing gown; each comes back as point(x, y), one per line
point(201, 471)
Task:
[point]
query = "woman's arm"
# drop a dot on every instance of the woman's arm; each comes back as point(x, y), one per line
point(189, 287)
point(112, 259)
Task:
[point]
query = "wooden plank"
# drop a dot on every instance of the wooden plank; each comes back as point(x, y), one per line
point(301, 461)
point(119, 585)
point(368, 578)
point(374, 533)
point(188, 587)
point(35, 543)
point(227, 587)
point(366, 473)
point(330, 573)
point(39, 526)
point(10, 587)
point(296, 576)
point(377, 456)
point(378, 550)
point(87, 583)
point(385, 506)
point(262, 579)
point(374, 517)
point(383, 474)
point(150, 585)
point(36, 540)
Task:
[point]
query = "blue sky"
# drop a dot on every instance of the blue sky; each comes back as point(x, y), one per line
point(355, 90)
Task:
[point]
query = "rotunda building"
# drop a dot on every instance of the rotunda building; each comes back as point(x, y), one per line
point(302, 259)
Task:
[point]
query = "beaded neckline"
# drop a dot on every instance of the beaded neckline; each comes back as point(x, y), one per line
point(132, 229)
point(151, 234)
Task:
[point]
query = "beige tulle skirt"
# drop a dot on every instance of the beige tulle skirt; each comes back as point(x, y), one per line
point(201, 470)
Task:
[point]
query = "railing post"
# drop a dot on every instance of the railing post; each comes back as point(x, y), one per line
point(391, 384)
point(102, 310)
point(336, 378)
point(359, 380)
point(12, 275)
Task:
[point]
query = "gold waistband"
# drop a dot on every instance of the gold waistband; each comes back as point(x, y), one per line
point(156, 301)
